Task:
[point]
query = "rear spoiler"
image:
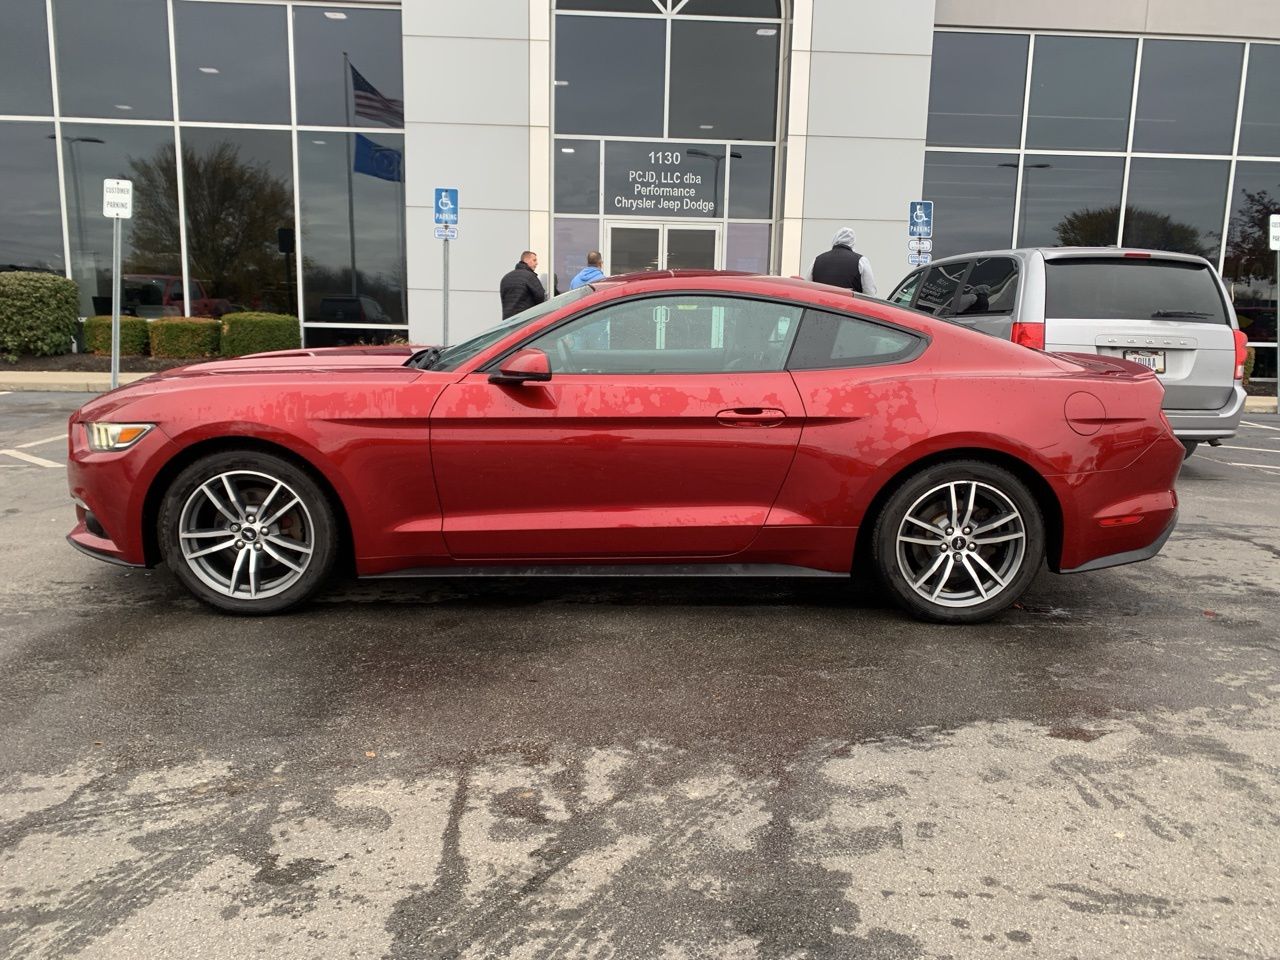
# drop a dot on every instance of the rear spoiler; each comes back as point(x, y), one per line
point(1107, 366)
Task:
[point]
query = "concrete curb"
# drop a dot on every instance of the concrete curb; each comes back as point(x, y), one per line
point(61, 381)
point(1260, 405)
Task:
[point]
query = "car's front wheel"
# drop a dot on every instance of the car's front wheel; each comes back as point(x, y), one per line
point(248, 532)
point(959, 542)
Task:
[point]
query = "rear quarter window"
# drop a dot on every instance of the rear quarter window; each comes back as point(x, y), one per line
point(1114, 288)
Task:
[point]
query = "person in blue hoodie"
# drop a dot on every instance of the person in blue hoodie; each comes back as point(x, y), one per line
point(590, 273)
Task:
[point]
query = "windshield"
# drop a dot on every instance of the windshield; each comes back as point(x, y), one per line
point(453, 357)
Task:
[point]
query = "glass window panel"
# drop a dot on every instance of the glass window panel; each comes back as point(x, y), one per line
point(1070, 201)
point(634, 249)
point(976, 87)
point(690, 249)
point(675, 334)
point(609, 76)
point(1187, 97)
point(1260, 125)
point(610, 6)
point(577, 176)
point(352, 195)
point(731, 8)
point(352, 336)
point(746, 247)
point(990, 288)
point(349, 67)
point(1250, 265)
point(574, 240)
point(233, 62)
point(828, 340)
point(113, 58)
point(29, 206)
point(1176, 205)
point(151, 253)
point(664, 179)
point(1073, 108)
point(972, 196)
point(941, 281)
point(907, 289)
point(751, 182)
point(24, 59)
point(724, 80)
point(239, 194)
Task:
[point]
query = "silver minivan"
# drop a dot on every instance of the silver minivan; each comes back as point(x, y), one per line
point(1168, 311)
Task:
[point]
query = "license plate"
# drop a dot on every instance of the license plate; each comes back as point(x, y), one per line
point(1148, 358)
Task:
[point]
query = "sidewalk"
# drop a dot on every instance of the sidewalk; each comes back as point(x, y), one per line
point(61, 381)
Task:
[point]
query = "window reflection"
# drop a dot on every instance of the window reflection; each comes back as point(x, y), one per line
point(24, 60)
point(723, 80)
point(151, 258)
point(352, 193)
point(611, 6)
point(348, 67)
point(113, 59)
point(1176, 205)
point(751, 183)
point(1260, 124)
point(731, 8)
point(239, 196)
point(973, 197)
point(1072, 108)
point(577, 176)
point(233, 62)
point(1250, 265)
point(609, 75)
point(1070, 201)
point(1187, 97)
point(746, 247)
point(29, 206)
point(976, 86)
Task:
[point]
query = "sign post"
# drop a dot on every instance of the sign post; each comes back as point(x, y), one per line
point(446, 210)
point(1273, 223)
point(117, 205)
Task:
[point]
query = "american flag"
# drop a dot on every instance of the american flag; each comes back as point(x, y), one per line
point(372, 105)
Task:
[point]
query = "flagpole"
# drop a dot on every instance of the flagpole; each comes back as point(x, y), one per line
point(347, 94)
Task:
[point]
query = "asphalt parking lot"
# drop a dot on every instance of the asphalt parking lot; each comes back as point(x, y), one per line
point(592, 769)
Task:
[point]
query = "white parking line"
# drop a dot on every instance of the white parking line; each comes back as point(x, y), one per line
point(1227, 446)
point(1260, 426)
point(41, 443)
point(38, 461)
point(1260, 466)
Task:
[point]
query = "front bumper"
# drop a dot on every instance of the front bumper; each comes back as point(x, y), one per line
point(1209, 424)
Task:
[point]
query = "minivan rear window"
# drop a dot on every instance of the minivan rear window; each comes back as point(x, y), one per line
point(1132, 288)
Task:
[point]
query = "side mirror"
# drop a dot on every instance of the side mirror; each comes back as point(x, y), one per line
point(523, 366)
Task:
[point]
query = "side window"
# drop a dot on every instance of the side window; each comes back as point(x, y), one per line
point(991, 287)
point(675, 334)
point(902, 296)
point(939, 288)
point(832, 340)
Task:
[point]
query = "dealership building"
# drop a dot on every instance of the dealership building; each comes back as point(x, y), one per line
point(286, 155)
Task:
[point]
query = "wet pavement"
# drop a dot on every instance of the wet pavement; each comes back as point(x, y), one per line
point(592, 769)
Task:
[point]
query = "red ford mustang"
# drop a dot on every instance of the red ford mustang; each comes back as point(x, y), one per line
point(676, 423)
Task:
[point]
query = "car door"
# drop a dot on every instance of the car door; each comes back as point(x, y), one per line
point(666, 430)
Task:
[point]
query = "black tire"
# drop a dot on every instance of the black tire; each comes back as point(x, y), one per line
point(959, 573)
point(1189, 447)
point(299, 549)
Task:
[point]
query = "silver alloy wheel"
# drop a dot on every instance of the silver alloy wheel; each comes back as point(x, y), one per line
point(961, 544)
point(246, 534)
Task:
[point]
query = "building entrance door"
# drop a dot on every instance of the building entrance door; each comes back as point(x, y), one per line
point(641, 247)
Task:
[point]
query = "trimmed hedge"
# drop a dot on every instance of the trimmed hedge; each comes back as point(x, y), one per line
point(185, 337)
point(253, 332)
point(135, 336)
point(1250, 356)
point(39, 313)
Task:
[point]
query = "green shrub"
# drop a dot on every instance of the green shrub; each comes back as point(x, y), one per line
point(251, 332)
point(135, 337)
point(38, 313)
point(185, 337)
point(1248, 365)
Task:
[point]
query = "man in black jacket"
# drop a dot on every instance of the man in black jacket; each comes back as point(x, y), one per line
point(842, 267)
point(521, 288)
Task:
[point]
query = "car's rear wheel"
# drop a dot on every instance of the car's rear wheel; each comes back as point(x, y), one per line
point(1189, 447)
point(248, 532)
point(958, 542)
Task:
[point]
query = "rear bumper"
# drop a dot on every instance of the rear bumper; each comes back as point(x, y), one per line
point(1128, 556)
point(1209, 424)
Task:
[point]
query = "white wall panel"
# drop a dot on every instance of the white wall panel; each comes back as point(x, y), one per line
point(889, 93)
point(880, 26)
point(448, 80)
point(864, 179)
point(489, 165)
point(466, 18)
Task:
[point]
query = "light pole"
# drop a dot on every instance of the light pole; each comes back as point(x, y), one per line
point(717, 159)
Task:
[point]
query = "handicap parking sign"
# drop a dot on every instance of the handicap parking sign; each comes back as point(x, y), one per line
point(920, 218)
point(447, 205)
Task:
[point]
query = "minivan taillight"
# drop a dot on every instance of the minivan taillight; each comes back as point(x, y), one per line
point(1029, 335)
point(1242, 352)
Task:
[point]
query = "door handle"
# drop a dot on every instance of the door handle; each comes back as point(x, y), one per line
point(751, 417)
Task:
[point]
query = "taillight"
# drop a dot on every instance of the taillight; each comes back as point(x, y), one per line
point(1242, 352)
point(1029, 335)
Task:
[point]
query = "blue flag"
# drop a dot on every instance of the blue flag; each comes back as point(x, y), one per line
point(376, 160)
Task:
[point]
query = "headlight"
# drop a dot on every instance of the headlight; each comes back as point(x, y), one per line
point(116, 436)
